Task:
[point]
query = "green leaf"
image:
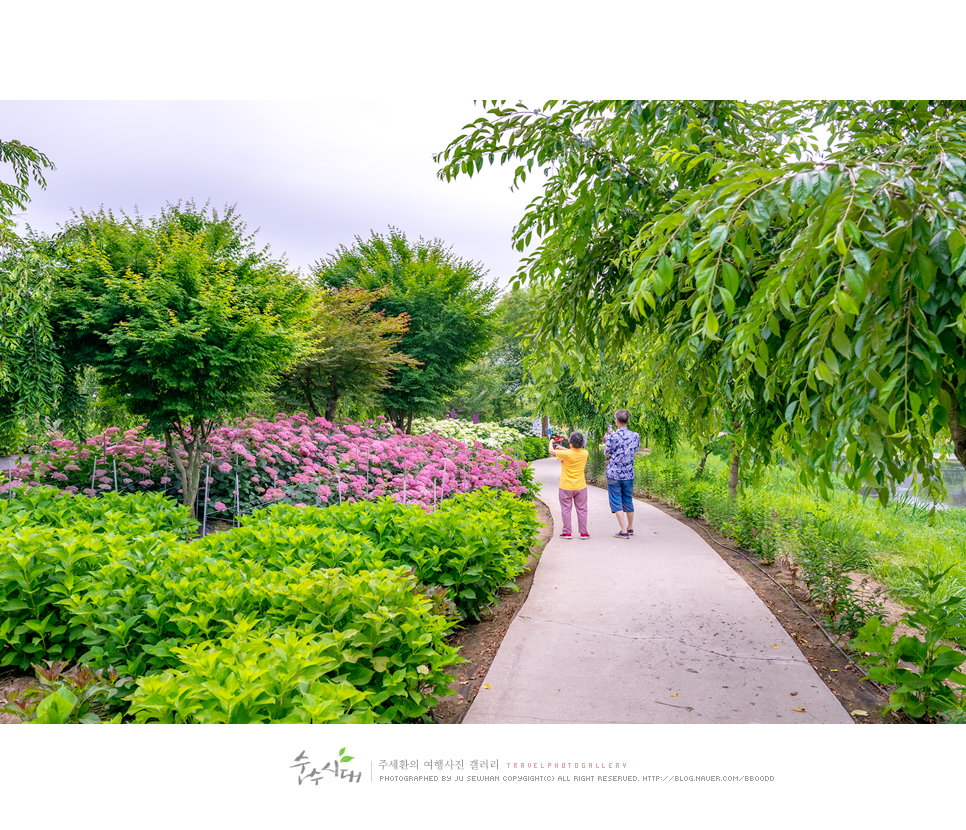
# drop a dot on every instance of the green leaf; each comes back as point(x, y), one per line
point(846, 302)
point(759, 212)
point(823, 185)
point(718, 236)
point(842, 344)
point(862, 260)
point(665, 273)
point(730, 276)
point(955, 165)
point(56, 707)
point(800, 190)
point(711, 323)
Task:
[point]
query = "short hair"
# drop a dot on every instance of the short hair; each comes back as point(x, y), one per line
point(622, 415)
point(576, 440)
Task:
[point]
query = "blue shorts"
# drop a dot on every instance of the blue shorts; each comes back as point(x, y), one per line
point(619, 493)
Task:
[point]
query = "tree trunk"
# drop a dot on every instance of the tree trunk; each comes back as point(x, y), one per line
point(704, 458)
point(332, 401)
point(311, 400)
point(409, 423)
point(956, 428)
point(189, 469)
point(733, 477)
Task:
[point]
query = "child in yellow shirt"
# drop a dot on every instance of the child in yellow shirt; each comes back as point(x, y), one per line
point(573, 485)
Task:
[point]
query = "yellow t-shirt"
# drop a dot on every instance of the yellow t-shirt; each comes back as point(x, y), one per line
point(572, 469)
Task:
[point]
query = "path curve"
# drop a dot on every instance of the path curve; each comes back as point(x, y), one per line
point(654, 629)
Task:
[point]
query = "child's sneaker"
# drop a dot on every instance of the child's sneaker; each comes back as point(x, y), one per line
point(564, 535)
point(630, 531)
point(584, 535)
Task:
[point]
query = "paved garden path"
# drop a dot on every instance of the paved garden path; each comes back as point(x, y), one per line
point(654, 629)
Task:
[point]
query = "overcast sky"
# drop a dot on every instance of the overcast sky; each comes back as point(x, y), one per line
point(309, 175)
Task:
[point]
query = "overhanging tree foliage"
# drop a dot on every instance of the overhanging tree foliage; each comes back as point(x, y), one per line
point(30, 370)
point(818, 286)
point(28, 165)
point(446, 300)
point(185, 320)
point(30, 373)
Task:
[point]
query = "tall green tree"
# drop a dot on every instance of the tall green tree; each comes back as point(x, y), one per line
point(30, 373)
point(185, 320)
point(817, 284)
point(492, 385)
point(353, 350)
point(448, 304)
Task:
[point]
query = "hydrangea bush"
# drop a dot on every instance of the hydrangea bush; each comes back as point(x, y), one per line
point(523, 424)
point(492, 436)
point(292, 460)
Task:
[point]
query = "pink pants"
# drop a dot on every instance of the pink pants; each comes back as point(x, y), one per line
point(577, 498)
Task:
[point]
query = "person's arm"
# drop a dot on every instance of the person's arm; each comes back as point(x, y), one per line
point(550, 448)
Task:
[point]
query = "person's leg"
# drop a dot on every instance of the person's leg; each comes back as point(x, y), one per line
point(616, 504)
point(622, 520)
point(627, 502)
point(566, 500)
point(580, 502)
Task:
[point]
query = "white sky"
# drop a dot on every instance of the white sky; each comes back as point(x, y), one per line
point(310, 175)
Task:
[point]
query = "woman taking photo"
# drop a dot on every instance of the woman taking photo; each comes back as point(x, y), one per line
point(573, 486)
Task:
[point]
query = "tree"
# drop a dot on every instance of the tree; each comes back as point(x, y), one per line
point(445, 299)
point(491, 386)
point(484, 391)
point(818, 286)
point(185, 320)
point(354, 348)
point(30, 370)
point(30, 373)
point(28, 164)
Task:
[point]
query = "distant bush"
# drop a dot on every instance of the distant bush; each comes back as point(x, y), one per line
point(528, 448)
point(523, 425)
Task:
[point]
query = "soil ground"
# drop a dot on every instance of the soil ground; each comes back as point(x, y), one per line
point(478, 643)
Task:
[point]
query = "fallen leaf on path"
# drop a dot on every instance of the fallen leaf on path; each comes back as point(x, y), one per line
point(486, 685)
point(674, 695)
point(793, 693)
point(798, 710)
point(861, 713)
point(775, 646)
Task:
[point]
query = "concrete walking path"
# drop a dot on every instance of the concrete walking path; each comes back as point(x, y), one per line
point(653, 629)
